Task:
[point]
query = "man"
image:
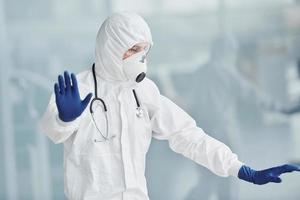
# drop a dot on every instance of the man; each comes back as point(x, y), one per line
point(105, 146)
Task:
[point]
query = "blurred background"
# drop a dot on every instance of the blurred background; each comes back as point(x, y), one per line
point(234, 65)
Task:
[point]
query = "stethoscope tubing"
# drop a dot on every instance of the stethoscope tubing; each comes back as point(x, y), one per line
point(96, 98)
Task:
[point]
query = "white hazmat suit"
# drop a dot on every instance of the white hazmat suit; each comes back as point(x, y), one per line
point(114, 169)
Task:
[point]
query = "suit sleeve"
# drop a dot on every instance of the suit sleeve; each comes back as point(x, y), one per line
point(170, 122)
point(56, 129)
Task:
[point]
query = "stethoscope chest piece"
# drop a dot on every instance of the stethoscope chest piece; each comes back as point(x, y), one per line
point(139, 112)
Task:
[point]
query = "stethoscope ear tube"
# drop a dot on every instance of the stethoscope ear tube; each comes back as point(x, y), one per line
point(136, 99)
point(97, 99)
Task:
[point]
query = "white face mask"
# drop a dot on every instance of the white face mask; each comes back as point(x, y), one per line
point(135, 66)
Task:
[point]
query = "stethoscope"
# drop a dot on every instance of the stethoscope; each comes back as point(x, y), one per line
point(106, 137)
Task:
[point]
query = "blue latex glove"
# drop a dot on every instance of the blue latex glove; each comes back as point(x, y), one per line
point(267, 175)
point(67, 97)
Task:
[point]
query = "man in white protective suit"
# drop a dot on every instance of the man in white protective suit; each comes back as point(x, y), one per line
point(107, 134)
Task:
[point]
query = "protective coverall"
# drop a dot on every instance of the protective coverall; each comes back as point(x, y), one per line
point(115, 169)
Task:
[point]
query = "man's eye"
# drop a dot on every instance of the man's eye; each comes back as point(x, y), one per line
point(133, 50)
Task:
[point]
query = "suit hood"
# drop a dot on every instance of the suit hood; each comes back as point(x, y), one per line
point(117, 34)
